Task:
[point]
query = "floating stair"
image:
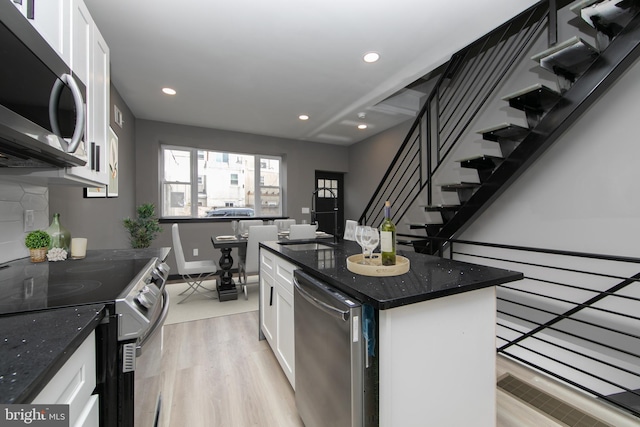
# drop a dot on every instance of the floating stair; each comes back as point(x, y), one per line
point(431, 229)
point(567, 60)
point(485, 165)
point(609, 17)
point(507, 135)
point(464, 189)
point(535, 101)
point(446, 211)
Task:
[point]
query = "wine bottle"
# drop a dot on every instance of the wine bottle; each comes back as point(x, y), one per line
point(388, 237)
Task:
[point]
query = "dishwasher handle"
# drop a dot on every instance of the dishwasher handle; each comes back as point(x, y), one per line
point(327, 308)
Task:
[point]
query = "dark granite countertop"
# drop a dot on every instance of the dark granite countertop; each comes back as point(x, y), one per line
point(430, 277)
point(34, 346)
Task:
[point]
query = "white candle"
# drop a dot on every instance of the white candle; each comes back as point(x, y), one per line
point(78, 247)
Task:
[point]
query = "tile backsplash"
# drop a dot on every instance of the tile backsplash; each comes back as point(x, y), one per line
point(15, 198)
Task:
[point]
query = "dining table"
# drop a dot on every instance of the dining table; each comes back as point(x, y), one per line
point(227, 288)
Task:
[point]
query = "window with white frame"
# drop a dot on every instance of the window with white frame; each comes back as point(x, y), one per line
point(250, 184)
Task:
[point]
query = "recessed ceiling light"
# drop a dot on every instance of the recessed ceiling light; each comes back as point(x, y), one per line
point(362, 126)
point(371, 57)
point(303, 117)
point(168, 91)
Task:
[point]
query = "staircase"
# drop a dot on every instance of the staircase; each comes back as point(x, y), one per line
point(442, 178)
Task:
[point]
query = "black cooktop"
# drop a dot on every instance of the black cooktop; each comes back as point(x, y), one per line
point(101, 277)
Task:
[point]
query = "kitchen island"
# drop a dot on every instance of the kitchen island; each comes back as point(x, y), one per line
point(435, 330)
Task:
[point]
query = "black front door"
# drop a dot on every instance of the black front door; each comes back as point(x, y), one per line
point(328, 196)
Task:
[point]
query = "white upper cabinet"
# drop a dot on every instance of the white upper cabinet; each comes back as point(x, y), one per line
point(90, 64)
point(51, 19)
point(69, 28)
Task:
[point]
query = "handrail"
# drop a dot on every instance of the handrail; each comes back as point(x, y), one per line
point(574, 316)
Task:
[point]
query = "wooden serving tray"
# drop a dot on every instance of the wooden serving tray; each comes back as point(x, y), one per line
point(376, 268)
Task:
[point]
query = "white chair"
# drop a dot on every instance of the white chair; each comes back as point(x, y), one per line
point(350, 230)
point(243, 226)
point(302, 231)
point(283, 224)
point(192, 272)
point(251, 264)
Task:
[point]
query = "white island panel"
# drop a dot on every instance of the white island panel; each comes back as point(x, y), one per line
point(438, 362)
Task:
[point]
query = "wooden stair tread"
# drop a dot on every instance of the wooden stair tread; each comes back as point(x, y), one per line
point(536, 97)
point(572, 57)
point(504, 131)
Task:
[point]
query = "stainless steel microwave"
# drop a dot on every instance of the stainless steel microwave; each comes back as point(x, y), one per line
point(42, 105)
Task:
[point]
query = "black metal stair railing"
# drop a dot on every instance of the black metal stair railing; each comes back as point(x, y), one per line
point(574, 316)
point(467, 83)
point(470, 81)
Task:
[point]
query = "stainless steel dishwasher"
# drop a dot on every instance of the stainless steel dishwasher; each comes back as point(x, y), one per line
point(335, 381)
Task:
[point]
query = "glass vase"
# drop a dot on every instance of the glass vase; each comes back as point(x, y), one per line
point(60, 236)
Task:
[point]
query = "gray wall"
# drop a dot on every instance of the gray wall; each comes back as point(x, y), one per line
point(100, 219)
point(301, 160)
point(368, 162)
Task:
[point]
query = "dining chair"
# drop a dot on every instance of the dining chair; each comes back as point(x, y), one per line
point(283, 224)
point(302, 231)
point(243, 226)
point(350, 230)
point(251, 264)
point(192, 272)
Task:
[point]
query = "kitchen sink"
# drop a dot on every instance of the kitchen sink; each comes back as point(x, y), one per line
point(306, 246)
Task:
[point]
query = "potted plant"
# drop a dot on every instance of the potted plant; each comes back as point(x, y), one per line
point(38, 242)
point(143, 229)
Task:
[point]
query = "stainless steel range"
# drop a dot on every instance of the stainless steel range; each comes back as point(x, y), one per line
point(131, 285)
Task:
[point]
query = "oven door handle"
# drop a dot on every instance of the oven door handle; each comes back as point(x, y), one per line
point(157, 325)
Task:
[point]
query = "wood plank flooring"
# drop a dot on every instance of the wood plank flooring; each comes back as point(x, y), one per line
point(216, 373)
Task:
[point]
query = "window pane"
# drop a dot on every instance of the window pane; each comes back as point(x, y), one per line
point(270, 203)
point(177, 200)
point(177, 166)
point(227, 179)
point(224, 184)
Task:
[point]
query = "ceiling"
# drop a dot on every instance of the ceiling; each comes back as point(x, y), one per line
point(255, 66)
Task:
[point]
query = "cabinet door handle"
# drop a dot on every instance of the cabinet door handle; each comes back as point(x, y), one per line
point(271, 296)
point(30, 12)
point(97, 158)
point(92, 156)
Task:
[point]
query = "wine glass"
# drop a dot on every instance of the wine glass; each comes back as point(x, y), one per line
point(372, 241)
point(360, 234)
point(234, 227)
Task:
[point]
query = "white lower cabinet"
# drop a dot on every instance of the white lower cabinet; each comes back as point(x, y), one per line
point(276, 291)
point(73, 385)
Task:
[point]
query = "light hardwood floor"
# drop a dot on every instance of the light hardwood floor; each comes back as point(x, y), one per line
point(215, 372)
